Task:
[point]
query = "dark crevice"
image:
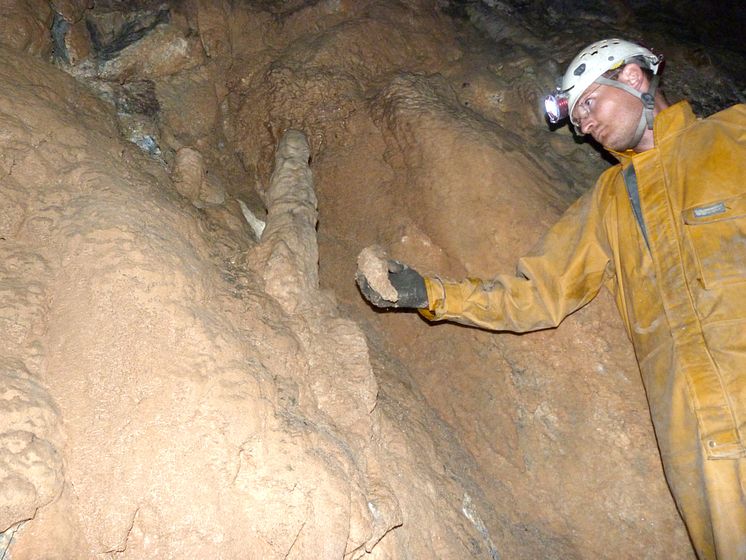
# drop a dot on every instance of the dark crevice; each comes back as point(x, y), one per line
point(107, 45)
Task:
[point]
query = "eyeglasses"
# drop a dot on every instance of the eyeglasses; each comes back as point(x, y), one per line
point(583, 109)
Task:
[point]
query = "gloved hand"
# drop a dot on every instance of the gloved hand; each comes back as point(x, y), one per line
point(407, 282)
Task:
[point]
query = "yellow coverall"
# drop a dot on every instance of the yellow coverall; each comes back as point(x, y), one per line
point(681, 294)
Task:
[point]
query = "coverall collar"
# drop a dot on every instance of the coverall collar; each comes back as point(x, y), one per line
point(672, 119)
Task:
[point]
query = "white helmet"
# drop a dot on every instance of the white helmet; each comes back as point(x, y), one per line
point(589, 66)
point(595, 60)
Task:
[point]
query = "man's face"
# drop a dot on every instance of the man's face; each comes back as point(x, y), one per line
point(610, 115)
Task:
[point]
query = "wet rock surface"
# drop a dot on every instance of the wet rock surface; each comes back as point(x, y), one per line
point(176, 382)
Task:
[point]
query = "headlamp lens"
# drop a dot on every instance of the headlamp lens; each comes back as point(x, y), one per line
point(555, 107)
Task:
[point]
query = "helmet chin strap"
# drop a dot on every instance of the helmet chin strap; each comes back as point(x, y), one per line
point(648, 104)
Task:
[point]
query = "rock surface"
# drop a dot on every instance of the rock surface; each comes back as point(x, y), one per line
point(175, 382)
point(190, 382)
point(372, 264)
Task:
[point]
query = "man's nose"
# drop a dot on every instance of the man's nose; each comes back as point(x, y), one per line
point(587, 124)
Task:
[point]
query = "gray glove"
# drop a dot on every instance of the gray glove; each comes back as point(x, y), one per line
point(407, 282)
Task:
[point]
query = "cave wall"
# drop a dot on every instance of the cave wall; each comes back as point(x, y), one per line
point(177, 381)
point(171, 386)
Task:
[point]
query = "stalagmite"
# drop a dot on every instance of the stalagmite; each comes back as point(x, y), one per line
point(341, 378)
point(290, 234)
point(192, 181)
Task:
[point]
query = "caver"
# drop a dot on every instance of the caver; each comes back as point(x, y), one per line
point(665, 232)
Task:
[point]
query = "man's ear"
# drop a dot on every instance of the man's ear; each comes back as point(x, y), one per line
point(633, 76)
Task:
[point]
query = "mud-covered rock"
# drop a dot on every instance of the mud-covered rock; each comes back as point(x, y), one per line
point(163, 51)
point(193, 181)
point(24, 26)
point(30, 476)
point(188, 105)
point(214, 22)
point(176, 381)
point(70, 32)
point(31, 473)
point(114, 27)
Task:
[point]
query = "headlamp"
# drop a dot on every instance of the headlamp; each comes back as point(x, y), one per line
point(555, 106)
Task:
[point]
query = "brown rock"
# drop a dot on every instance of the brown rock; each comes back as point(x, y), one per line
point(188, 173)
point(78, 42)
point(24, 26)
point(188, 105)
point(192, 180)
point(162, 52)
point(372, 264)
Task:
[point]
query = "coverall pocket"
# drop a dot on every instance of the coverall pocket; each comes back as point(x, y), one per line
point(718, 235)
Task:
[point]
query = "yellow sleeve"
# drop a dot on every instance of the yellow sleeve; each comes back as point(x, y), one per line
point(563, 273)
